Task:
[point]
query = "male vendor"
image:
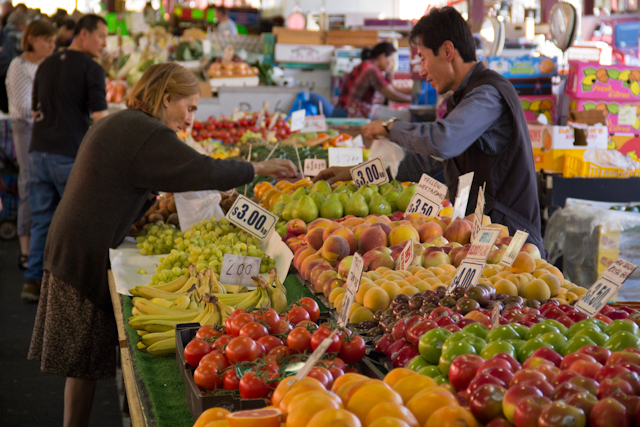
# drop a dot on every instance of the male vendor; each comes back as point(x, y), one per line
point(484, 130)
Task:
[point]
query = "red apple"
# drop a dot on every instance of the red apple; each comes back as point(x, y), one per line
point(493, 363)
point(566, 308)
point(610, 371)
point(550, 371)
point(559, 414)
point(504, 375)
point(632, 368)
point(633, 379)
point(584, 401)
point(601, 354)
point(586, 369)
point(452, 328)
point(528, 411)
point(542, 385)
point(602, 317)
point(414, 333)
point(440, 312)
point(566, 389)
point(548, 354)
point(588, 384)
point(535, 362)
point(630, 403)
point(631, 350)
point(515, 365)
point(618, 314)
point(577, 316)
point(552, 313)
point(527, 375)
point(621, 357)
point(481, 380)
point(608, 386)
point(513, 396)
point(486, 402)
point(571, 358)
point(606, 309)
point(463, 369)
point(608, 413)
point(499, 422)
point(566, 321)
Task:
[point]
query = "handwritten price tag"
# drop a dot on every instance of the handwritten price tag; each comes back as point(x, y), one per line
point(432, 188)
point(421, 204)
point(339, 156)
point(468, 275)
point(517, 242)
point(314, 124)
point(238, 269)
point(251, 217)
point(480, 249)
point(313, 166)
point(297, 120)
point(605, 287)
point(353, 283)
point(370, 172)
point(406, 256)
point(462, 197)
point(478, 215)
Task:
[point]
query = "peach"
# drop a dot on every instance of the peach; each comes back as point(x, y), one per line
point(524, 263)
point(417, 223)
point(314, 238)
point(532, 250)
point(402, 233)
point(459, 231)
point(352, 222)
point(349, 237)
point(415, 216)
point(358, 229)
point(330, 229)
point(301, 256)
point(438, 241)
point(375, 219)
point(495, 256)
point(435, 259)
point(386, 227)
point(379, 259)
point(441, 223)
point(316, 272)
point(320, 222)
point(345, 266)
point(325, 277)
point(335, 248)
point(371, 238)
point(460, 256)
point(446, 220)
point(330, 285)
point(296, 227)
point(504, 241)
point(429, 229)
point(304, 269)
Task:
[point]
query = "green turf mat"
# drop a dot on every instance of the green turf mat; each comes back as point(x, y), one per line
point(164, 389)
point(296, 290)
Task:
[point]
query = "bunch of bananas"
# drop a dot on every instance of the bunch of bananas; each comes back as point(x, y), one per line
point(196, 297)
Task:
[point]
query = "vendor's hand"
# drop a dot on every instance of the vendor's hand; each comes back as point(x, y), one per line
point(278, 168)
point(334, 174)
point(373, 129)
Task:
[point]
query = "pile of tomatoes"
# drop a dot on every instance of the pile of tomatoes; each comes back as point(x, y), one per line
point(252, 351)
point(229, 131)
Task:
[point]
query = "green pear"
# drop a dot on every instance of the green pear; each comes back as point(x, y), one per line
point(321, 187)
point(343, 197)
point(392, 198)
point(352, 188)
point(281, 229)
point(357, 206)
point(340, 187)
point(375, 188)
point(278, 208)
point(318, 198)
point(302, 191)
point(284, 198)
point(406, 196)
point(305, 209)
point(366, 191)
point(286, 212)
point(379, 205)
point(385, 187)
point(332, 208)
point(396, 183)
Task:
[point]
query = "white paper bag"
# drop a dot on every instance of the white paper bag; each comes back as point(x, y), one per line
point(194, 206)
point(390, 153)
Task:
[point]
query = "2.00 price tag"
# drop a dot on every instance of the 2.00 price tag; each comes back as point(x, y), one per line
point(353, 283)
point(421, 204)
point(251, 217)
point(238, 270)
point(312, 167)
point(370, 172)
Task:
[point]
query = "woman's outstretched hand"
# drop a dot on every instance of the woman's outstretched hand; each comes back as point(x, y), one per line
point(277, 168)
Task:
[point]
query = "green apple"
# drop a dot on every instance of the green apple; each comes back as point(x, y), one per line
point(583, 324)
point(621, 340)
point(597, 336)
point(431, 371)
point(563, 329)
point(478, 329)
point(522, 330)
point(497, 347)
point(600, 324)
point(417, 363)
point(442, 379)
point(477, 342)
point(430, 345)
point(576, 343)
point(517, 344)
point(556, 339)
point(529, 347)
point(456, 337)
point(454, 350)
point(502, 333)
point(622, 325)
point(540, 329)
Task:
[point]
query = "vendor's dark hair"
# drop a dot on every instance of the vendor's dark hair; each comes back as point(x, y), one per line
point(69, 24)
point(444, 24)
point(89, 23)
point(383, 48)
point(222, 10)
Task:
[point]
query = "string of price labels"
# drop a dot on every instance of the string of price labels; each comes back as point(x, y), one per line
point(353, 283)
point(252, 218)
point(369, 172)
point(471, 268)
point(606, 287)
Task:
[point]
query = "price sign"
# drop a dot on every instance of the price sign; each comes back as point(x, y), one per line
point(353, 282)
point(480, 249)
point(370, 172)
point(313, 166)
point(605, 287)
point(315, 357)
point(406, 256)
point(339, 156)
point(462, 197)
point(432, 188)
point(297, 120)
point(514, 247)
point(238, 269)
point(421, 204)
point(468, 275)
point(478, 215)
point(495, 317)
point(314, 124)
point(251, 217)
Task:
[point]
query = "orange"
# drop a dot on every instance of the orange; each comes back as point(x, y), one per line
point(255, 418)
point(388, 409)
point(290, 383)
point(306, 408)
point(273, 198)
point(334, 418)
point(220, 423)
point(368, 396)
point(320, 394)
point(343, 379)
point(211, 414)
point(452, 416)
point(389, 422)
point(397, 374)
point(267, 194)
point(281, 185)
point(348, 392)
point(422, 407)
point(439, 389)
point(295, 391)
point(409, 386)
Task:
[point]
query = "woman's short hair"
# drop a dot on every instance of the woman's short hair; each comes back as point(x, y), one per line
point(147, 95)
point(38, 28)
point(384, 48)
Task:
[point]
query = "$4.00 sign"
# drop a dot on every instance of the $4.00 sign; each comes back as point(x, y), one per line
point(605, 287)
point(251, 217)
point(471, 268)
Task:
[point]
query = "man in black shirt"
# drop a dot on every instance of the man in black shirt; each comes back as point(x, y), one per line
point(69, 91)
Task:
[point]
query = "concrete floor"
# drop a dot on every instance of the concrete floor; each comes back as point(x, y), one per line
point(29, 397)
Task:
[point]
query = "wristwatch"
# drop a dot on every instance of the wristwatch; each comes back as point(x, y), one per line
point(386, 123)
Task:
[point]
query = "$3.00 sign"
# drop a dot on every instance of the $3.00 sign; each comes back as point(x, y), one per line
point(471, 268)
point(251, 217)
point(369, 172)
point(605, 287)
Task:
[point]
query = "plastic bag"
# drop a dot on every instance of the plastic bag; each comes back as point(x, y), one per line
point(390, 153)
point(610, 159)
point(194, 206)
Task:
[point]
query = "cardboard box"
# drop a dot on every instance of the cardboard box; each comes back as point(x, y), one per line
point(626, 144)
point(590, 80)
point(363, 38)
point(302, 53)
point(285, 35)
point(551, 143)
point(535, 86)
point(522, 67)
point(535, 105)
point(622, 116)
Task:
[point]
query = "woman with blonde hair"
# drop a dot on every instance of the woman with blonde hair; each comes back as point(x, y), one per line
point(122, 158)
point(38, 42)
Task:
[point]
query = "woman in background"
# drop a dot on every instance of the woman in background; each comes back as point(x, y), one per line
point(360, 86)
point(38, 42)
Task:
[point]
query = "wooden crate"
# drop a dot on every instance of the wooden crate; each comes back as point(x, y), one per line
point(353, 38)
point(287, 36)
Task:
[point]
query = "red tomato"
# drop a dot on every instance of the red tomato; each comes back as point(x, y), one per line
point(336, 372)
point(206, 377)
point(253, 387)
point(336, 362)
point(353, 350)
point(253, 330)
point(195, 351)
point(323, 375)
point(320, 335)
point(208, 331)
point(230, 380)
point(238, 322)
point(197, 125)
point(299, 340)
point(217, 359)
point(241, 349)
point(270, 319)
point(237, 311)
point(297, 315)
point(221, 343)
point(312, 308)
point(270, 342)
point(307, 324)
point(261, 351)
point(280, 353)
point(283, 326)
